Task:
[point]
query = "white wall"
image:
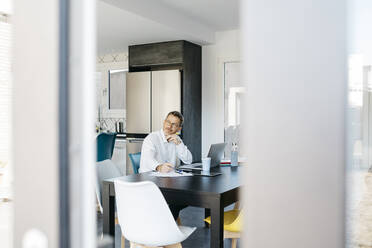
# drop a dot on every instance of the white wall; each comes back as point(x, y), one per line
point(35, 119)
point(295, 69)
point(226, 48)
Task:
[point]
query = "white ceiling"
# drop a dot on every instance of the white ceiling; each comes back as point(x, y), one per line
point(118, 28)
point(218, 14)
point(127, 22)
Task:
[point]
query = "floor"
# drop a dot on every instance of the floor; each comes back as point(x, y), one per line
point(190, 216)
point(359, 209)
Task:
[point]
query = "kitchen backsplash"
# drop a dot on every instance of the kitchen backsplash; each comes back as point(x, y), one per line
point(112, 58)
point(109, 124)
point(106, 119)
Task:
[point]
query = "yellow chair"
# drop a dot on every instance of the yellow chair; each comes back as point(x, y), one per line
point(232, 225)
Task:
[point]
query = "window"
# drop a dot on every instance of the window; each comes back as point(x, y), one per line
point(117, 83)
point(233, 91)
point(5, 101)
point(5, 129)
point(360, 137)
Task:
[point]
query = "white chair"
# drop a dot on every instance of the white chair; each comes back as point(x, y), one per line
point(145, 218)
point(106, 169)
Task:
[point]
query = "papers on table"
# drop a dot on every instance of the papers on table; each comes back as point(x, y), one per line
point(170, 174)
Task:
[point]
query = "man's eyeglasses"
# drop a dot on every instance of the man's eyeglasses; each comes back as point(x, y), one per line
point(171, 124)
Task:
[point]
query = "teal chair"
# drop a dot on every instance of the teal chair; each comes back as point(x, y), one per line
point(105, 146)
point(135, 158)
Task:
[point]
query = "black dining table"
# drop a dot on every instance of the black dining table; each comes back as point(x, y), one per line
point(210, 193)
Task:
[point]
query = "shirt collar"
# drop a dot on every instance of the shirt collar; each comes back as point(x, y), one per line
point(163, 135)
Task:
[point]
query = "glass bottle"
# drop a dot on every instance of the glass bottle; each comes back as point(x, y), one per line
point(234, 154)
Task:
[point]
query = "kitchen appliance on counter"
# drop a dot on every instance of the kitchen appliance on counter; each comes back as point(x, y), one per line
point(150, 96)
point(119, 127)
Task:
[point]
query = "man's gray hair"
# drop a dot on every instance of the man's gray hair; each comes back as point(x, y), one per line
point(178, 115)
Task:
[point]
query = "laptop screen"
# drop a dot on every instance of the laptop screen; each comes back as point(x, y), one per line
point(216, 153)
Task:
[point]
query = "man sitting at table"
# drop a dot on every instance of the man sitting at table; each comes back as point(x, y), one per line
point(162, 150)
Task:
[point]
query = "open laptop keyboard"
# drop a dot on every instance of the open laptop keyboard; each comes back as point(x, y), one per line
point(191, 166)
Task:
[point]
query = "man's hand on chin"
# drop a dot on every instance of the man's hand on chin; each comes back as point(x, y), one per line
point(165, 168)
point(173, 138)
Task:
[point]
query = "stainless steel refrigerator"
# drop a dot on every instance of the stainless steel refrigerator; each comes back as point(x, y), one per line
point(150, 96)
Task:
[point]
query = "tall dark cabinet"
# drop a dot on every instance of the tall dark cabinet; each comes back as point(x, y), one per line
point(186, 57)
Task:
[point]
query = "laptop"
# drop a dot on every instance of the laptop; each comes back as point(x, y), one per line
point(215, 153)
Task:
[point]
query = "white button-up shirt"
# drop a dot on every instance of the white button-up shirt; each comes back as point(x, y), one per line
point(156, 150)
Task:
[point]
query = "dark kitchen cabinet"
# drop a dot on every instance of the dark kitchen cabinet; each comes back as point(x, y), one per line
point(165, 53)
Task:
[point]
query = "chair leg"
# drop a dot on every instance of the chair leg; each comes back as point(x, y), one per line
point(122, 237)
point(233, 243)
point(122, 241)
point(174, 246)
point(135, 245)
point(179, 221)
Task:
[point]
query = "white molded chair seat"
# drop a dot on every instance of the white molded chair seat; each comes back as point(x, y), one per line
point(144, 216)
point(187, 230)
